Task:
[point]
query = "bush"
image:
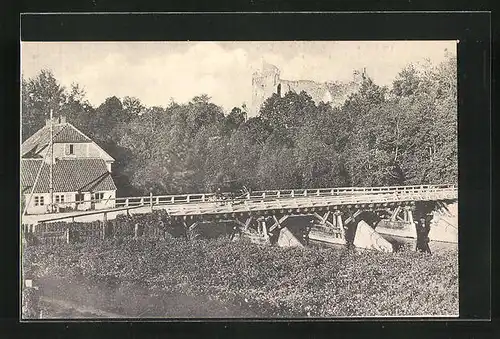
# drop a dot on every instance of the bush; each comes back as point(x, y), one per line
point(122, 226)
point(271, 281)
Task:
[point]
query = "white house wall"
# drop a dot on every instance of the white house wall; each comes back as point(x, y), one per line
point(80, 150)
point(105, 202)
point(32, 209)
point(69, 198)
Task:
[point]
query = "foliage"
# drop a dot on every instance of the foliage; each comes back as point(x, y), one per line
point(40, 95)
point(406, 134)
point(261, 281)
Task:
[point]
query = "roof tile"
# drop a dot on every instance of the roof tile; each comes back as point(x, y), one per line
point(69, 175)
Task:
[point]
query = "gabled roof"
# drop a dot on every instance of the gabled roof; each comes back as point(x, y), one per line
point(63, 133)
point(69, 175)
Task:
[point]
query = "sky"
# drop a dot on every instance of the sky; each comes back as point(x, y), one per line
point(157, 72)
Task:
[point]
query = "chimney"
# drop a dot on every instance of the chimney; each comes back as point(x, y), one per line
point(56, 120)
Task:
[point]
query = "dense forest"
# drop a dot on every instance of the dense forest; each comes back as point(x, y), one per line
point(405, 134)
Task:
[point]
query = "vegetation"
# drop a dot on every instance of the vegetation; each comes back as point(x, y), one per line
point(405, 134)
point(246, 278)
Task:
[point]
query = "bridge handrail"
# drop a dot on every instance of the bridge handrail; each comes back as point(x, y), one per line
point(341, 190)
point(307, 202)
point(284, 193)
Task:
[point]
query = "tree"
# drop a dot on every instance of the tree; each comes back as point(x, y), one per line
point(256, 130)
point(361, 102)
point(132, 107)
point(77, 109)
point(407, 82)
point(409, 137)
point(39, 95)
point(319, 164)
point(431, 152)
point(201, 112)
point(106, 117)
point(288, 112)
point(277, 168)
point(234, 119)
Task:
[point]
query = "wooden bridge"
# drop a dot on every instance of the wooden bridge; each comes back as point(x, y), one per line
point(264, 214)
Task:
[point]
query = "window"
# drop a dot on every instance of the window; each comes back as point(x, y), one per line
point(79, 197)
point(70, 150)
point(98, 196)
point(59, 199)
point(39, 201)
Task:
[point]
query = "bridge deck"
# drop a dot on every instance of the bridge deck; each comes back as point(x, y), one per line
point(267, 194)
point(280, 201)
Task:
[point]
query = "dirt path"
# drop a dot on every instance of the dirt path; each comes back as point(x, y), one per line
point(83, 300)
point(61, 309)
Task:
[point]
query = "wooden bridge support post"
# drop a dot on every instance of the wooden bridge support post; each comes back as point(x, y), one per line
point(409, 215)
point(277, 223)
point(325, 218)
point(409, 219)
point(339, 224)
point(104, 224)
point(67, 235)
point(245, 224)
point(395, 213)
point(192, 230)
point(136, 231)
point(264, 229)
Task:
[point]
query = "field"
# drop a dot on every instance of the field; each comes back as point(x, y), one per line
point(219, 278)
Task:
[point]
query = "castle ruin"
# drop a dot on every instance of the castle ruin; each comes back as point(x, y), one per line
point(267, 82)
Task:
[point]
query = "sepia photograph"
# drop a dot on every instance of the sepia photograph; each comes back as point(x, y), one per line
point(238, 179)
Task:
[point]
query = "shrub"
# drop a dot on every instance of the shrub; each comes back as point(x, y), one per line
point(269, 281)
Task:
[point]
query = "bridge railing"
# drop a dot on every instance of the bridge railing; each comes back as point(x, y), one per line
point(164, 199)
point(261, 195)
point(309, 202)
point(291, 193)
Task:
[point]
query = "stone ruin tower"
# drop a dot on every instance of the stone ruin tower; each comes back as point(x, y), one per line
point(267, 82)
point(264, 84)
point(359, 75)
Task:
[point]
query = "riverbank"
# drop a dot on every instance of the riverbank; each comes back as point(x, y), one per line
point(175, 278)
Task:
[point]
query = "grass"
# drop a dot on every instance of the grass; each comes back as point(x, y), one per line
point(205, 278)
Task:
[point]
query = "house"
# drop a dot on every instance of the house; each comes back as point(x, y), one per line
point(81, 171)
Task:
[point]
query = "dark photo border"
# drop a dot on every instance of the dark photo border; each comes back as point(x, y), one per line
point(473, 32)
